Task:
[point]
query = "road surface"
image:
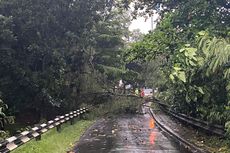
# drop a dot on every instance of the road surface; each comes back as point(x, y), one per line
point(126, 134)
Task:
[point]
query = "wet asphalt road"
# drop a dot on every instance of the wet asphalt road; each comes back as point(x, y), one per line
point(126, 134)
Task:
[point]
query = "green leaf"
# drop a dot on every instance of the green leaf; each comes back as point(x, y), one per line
point(200, 61)
point(182, 76)
point(201, 33)
point(195, 59)
point(228, 87)
point(174, 73)
point(187, 61)
point(192, 63)
point(182, 50)
point(227, 108)
point(176, 68)
point(171, 77)
point(187, 98)
point(191, 51)
point(200, 90)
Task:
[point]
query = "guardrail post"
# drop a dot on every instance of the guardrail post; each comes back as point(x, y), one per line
point(71, 121)
point(80, 117)
point(81, 113)
point(38, 138)
point(59, 128)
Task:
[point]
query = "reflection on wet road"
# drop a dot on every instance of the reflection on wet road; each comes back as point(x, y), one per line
point(152, 136)
point(126, 134)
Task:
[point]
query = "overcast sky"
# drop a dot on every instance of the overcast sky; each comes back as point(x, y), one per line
point(142, 24)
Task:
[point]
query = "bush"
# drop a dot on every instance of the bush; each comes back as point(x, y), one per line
point(227, 128)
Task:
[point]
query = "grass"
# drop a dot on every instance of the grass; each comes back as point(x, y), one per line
point(54, 142)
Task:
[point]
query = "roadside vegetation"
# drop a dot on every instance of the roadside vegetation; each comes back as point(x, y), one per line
point(53, 53)
point(211, 143)
point(54, 142)
point(192, 55)
point(189, 53)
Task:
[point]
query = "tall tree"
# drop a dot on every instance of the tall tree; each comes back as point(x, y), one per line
point(196, 77)
point(49, 50)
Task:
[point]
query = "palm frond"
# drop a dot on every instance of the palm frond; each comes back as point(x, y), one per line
point(217, 54)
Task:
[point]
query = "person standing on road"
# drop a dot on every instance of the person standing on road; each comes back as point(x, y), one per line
point(142, 92)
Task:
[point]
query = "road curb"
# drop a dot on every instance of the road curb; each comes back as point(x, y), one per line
point(189, 146)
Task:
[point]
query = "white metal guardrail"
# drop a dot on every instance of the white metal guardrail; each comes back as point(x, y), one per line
point(14, 142)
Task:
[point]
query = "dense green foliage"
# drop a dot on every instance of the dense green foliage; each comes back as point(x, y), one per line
point(192, 44)
point(53, 51)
